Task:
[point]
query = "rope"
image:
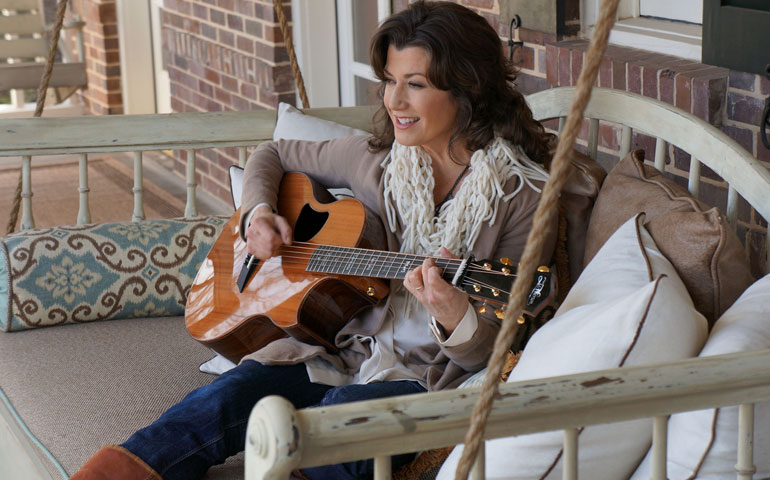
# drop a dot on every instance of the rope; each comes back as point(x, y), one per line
point(278, 4)
point(41, 94)
point(544, 216)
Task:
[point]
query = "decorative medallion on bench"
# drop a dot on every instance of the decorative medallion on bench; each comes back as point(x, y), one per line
point(104, 271)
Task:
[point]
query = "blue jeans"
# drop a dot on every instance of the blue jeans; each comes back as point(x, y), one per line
point(209, 424)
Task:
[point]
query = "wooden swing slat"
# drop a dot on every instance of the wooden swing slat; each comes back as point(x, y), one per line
point(659, 448)
point(191, 208)
point(693, 181)
point(138, 188)
point(21, 4)
point(23, 24)
point(27, 75)
point(732, 207)
point(625, 140)
point(23, 48)
point(745, 466)
point(84, 212)
point(593, 137)
point(660, 154)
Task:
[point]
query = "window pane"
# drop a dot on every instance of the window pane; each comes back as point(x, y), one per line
point(364, 24)
point(763, 5)
point(366, 91)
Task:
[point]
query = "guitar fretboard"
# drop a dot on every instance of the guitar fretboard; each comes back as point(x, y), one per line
point(368, 263)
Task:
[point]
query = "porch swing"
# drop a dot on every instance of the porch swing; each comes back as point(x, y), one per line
point(23, 41)
point(281, 438)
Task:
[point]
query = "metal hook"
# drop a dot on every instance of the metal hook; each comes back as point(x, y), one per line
point(514, 44)
point(765, 115)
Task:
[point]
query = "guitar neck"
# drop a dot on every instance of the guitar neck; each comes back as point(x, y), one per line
point(372, 263)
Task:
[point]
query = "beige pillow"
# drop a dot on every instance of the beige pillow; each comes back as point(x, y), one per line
point(696, 238)
point(576, 202)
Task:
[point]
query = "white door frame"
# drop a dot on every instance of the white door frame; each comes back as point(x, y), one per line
point(315, 42)
point(135, 43)
point(144, 82)
point(323, 42)
point(349, 68)
point(161, 81)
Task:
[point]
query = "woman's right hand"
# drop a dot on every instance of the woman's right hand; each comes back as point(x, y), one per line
point(266, 233)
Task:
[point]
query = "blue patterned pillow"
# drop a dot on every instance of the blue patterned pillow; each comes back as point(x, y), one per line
point(83, 273)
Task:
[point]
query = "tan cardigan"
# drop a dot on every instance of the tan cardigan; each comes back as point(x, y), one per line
point(348, 163)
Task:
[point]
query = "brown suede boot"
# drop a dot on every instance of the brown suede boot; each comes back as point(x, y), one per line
point(112, 462)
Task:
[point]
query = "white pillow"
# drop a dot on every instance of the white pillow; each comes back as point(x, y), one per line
point(628, 307)
point(745, 326)
point(292, 124)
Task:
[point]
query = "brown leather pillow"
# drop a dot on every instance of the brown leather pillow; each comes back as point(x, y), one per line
point(576, 202)
point(695, 238)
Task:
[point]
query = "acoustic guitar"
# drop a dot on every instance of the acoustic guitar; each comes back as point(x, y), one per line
point(335, 267)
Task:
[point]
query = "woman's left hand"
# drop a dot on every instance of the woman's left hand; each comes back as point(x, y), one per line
point(444, 302)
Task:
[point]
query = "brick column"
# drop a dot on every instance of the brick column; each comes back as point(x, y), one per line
point(224, 55)
point(100, 38)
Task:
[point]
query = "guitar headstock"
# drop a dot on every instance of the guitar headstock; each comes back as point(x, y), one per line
point(492, 281)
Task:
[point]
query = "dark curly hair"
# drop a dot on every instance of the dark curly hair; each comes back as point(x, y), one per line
point(467, 60)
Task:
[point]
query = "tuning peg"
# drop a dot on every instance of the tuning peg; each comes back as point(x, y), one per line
point(500, 313)
point(487, 266)
point(506, 261)
point(496, 292)
point(370, 291)
point(543, 269)
point(506, 270)
point(520, 320)
point(476, 288)
point(483, 309)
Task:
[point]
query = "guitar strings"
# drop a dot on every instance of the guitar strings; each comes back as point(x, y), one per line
point(311, 249)
point(382, 260)
point(302, 261)
point(302, 252)
point(371, 264)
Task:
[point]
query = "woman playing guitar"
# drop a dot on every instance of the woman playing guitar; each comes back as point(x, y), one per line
point(454, 168)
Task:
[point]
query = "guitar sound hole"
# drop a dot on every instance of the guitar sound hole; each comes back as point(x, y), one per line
point(309, 223)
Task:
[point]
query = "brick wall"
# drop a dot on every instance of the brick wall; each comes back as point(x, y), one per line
point(100, 39)
point(224, 55)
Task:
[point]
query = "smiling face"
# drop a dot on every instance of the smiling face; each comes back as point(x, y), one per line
point(422, 115)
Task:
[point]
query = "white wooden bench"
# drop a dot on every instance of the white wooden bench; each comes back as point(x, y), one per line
point(440, 419)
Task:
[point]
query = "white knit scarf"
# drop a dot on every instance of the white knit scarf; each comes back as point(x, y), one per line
point(409, 191)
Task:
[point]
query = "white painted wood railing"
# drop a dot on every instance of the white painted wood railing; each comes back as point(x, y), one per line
point(31, 137)
point(280, 438)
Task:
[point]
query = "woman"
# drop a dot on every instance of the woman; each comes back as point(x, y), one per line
point(454, 168)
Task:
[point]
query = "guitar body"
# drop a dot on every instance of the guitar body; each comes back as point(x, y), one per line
point(281, 297)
